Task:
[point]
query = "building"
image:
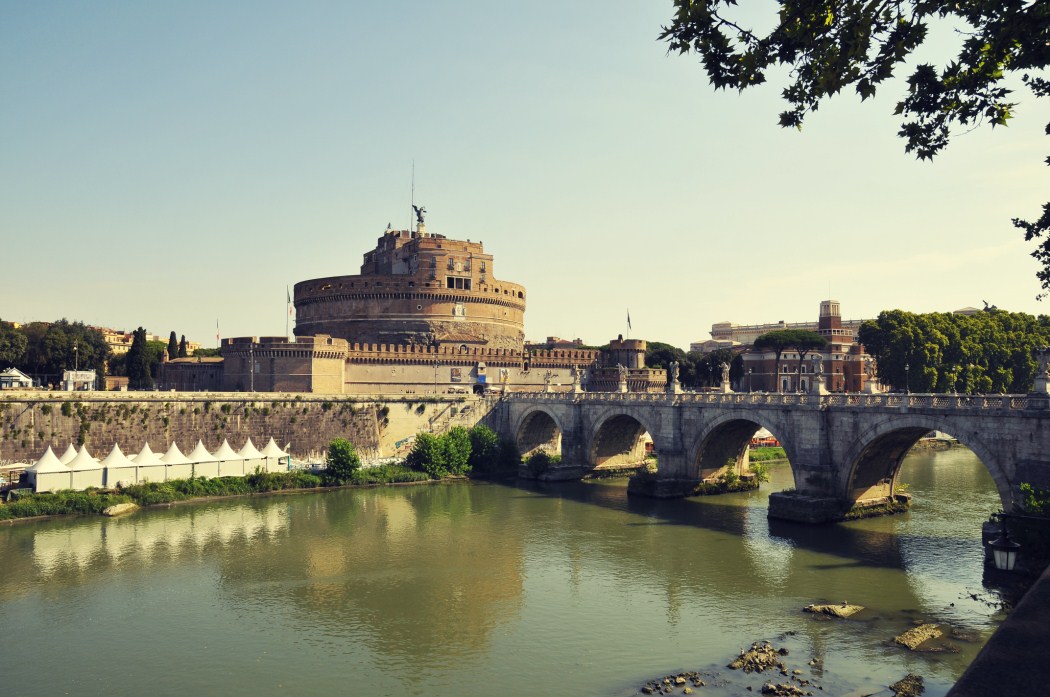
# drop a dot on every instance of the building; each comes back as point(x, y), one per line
point(843, 366)
point(416, 288)
point(190, 374)
point(14, 379)
point(78, 380)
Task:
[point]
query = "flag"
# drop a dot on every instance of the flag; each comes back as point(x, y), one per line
point(629, 319)
point(289, 292)
point(216, 330)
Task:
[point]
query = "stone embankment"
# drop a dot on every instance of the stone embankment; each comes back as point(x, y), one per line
point(379, 426)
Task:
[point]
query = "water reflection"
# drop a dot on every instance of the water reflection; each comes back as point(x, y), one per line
point(432, 590)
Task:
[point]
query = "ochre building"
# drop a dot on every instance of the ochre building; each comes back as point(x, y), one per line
point(416, 288)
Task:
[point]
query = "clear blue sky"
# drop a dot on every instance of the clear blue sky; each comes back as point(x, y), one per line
point(167, 164)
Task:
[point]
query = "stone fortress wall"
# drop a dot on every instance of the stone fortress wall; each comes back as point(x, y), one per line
point(378, 425)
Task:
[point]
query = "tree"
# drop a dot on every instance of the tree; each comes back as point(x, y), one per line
point(992, 351)
point(137, 363)
point(13, 345)
point(801, 340)
point(341, 462)
point(182, 347)
point(173, 346)
point(428, 456)
point(486, 451)
point(829, 45)
point(457, 446)
point(63, 345)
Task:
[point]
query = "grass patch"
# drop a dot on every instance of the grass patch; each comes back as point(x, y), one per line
point(764, 454)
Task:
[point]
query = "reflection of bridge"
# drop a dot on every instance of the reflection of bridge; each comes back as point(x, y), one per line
point(843, 448)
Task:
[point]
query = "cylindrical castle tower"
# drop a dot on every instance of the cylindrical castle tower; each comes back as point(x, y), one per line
point(416, 288)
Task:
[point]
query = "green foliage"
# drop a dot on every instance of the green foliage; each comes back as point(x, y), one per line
point(49, 349)
point(183, 347)
point(760, 469)
point(801, 341)
point(45, 409)
point(138, 361)
point(765, 454)
point(456, 444)
point(991, 351)
point(729, 475)
point(13, 345)
point(326, 406)
point(342, 462)
point(66, 409)
point(1034, 500)
point(91, 501)
point(825, 47)
point(486, 450)
point(388, 474)
point(540, 461)
point(173, 346)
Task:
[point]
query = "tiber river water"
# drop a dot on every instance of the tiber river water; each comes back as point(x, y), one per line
point(488, 589)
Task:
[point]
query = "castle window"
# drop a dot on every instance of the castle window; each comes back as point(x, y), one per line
point(483, 267)
point(457, 282)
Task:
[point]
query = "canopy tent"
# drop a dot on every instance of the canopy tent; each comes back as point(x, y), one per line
point(253, 459)
point(178, 465)
point(48, 473)
point(87, 471)
point(68, 456)
point(276, 459)
point(148, 465)
point(204, 463)
point(118, 468)
point(230, 463)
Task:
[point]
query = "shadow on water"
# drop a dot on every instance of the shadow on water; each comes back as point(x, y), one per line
point(871, 548)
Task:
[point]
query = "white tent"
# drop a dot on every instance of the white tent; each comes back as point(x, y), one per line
point(204, 464)
point(253, 459)
point(276, 459)
point(68, 456)
point(178, 465)
point(118, 468)
point(87, 471)
point(230, 463)
point(149, 466)
point(48, 473)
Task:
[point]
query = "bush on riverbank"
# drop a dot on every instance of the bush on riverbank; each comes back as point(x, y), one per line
point(764, 454)
point(540, 462)
point(90, 501)
point(387, 474)
point(460, 452)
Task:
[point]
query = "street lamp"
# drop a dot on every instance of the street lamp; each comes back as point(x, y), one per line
point(76, 356)
point(907, 384)
point(749, 379)
point(1004, 551)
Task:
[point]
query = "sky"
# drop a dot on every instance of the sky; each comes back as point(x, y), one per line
point(178, 165)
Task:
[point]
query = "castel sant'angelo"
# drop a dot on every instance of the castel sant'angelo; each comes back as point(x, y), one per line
point(426, 314)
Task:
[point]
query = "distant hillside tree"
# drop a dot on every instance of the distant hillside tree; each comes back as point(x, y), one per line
point(182, 347)
point(173, 346)
point(801, 340)
point(12, 346)
point(137, 362)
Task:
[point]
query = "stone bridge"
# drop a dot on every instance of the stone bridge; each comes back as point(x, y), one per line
point(844, 449)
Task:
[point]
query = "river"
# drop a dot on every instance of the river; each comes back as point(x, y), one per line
point(481, 589)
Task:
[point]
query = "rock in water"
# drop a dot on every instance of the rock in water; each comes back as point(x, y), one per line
point(908, 686)
point(913, 637)
point(843, 610)
point(119, 509)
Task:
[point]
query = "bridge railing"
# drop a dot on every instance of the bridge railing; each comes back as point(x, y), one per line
point(1005, 402)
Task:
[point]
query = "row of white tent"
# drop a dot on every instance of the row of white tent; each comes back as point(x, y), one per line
point(79, 470)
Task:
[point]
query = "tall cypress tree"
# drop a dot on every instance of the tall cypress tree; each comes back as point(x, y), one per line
point(138, 362)
point(173, 346)
point(182, 347)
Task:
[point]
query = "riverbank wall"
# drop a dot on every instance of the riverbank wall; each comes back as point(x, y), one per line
point(380, 426)
point(1011, 664)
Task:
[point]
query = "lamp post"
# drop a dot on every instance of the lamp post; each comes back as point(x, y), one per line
point(76, 356)
point(1004, 551)
point(907, 383)
point(749, 379)
point(436, 364)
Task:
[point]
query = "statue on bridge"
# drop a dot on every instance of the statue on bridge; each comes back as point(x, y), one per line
point(673, 386)
point(1042, 375)
point(621, 375)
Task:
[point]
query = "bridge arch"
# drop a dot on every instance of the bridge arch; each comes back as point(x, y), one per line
point(618, 438)
point(726, 438)
point(539, 429)
point(874, 460)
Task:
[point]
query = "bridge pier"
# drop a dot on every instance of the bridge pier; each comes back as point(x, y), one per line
point(803, 508)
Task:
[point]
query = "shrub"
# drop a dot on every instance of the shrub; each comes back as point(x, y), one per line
point(427, 456)
point(388, 474)
point(539, 462)
point(67, 409)
point(46, 409)
point(342, 462)
point(457, 446)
